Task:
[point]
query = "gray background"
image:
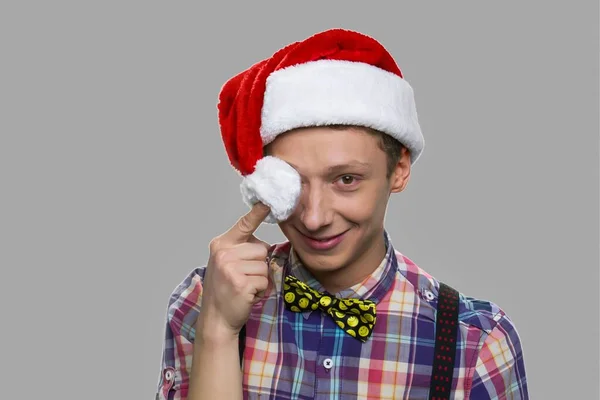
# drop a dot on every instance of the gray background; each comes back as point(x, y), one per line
point(114, 178)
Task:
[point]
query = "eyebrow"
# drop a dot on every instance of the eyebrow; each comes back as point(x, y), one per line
point(343, 167)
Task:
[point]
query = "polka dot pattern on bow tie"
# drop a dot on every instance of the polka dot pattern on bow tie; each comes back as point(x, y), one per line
point(356, 317)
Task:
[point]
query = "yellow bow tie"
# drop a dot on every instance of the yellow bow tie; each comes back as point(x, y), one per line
point(356, 317)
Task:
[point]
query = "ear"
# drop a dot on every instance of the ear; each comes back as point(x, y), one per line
point(401, 173)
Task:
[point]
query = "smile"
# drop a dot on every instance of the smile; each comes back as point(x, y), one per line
point(321, 244)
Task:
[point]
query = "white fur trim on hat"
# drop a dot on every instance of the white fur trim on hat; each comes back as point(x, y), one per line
point(274, 183)
point(327, 92)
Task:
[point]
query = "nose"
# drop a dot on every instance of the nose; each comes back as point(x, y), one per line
point(315, 208)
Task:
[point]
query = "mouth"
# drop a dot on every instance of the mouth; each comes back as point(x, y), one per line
point(323, 243)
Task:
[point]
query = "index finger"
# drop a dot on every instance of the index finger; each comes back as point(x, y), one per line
point(245, 227)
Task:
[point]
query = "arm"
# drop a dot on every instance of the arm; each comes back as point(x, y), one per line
point(499, 372)
point(215, 372)
point(236, 278)
point(201, 347)
point(198, 362)
point(178, 339)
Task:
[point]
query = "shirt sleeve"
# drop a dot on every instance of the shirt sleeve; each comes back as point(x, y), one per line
point(500, 369)
point(182, 312)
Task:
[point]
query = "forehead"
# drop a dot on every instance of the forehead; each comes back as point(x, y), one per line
point(318, 148)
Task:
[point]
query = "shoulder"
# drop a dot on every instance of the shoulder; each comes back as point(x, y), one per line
point(499, 358)
point(184, 303)
point(481, 313)
point(496, 352)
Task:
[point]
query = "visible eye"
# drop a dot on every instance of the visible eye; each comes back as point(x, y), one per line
point(347, 181)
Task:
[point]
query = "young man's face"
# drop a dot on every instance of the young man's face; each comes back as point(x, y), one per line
point(345, 192)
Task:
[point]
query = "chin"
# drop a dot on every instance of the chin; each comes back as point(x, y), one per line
point(324, 263)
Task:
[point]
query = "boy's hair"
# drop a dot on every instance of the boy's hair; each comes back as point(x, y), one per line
point(391, 146)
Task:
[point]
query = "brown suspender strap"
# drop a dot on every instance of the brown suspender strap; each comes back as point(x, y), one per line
point(446, 328)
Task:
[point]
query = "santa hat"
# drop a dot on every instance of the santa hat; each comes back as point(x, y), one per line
point(336, 77)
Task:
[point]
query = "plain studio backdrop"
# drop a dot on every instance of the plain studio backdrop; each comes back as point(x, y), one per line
point(114, 176)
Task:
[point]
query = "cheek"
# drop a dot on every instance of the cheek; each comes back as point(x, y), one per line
point(362, 206)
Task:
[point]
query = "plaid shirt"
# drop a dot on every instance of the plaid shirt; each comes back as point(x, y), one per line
point(305, 355)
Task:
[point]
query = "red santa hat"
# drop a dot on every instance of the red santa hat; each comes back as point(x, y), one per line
point(336, 77)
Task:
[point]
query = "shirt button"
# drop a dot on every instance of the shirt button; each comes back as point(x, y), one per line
point(428, 294)
point(328, 363)
point(169, 375)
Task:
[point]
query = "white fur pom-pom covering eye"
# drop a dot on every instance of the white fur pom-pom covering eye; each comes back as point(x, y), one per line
point(274, 183)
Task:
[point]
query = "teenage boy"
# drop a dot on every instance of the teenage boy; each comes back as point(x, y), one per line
point(323, 132)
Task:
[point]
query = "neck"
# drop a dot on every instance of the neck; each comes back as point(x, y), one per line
point(354, 272)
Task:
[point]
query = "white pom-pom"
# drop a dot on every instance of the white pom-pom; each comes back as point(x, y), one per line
point(274, 183)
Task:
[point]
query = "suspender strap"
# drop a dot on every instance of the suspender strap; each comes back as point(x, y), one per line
point(446, 328)
point(242, 344)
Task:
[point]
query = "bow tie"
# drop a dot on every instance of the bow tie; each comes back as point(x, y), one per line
point(354, 316)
